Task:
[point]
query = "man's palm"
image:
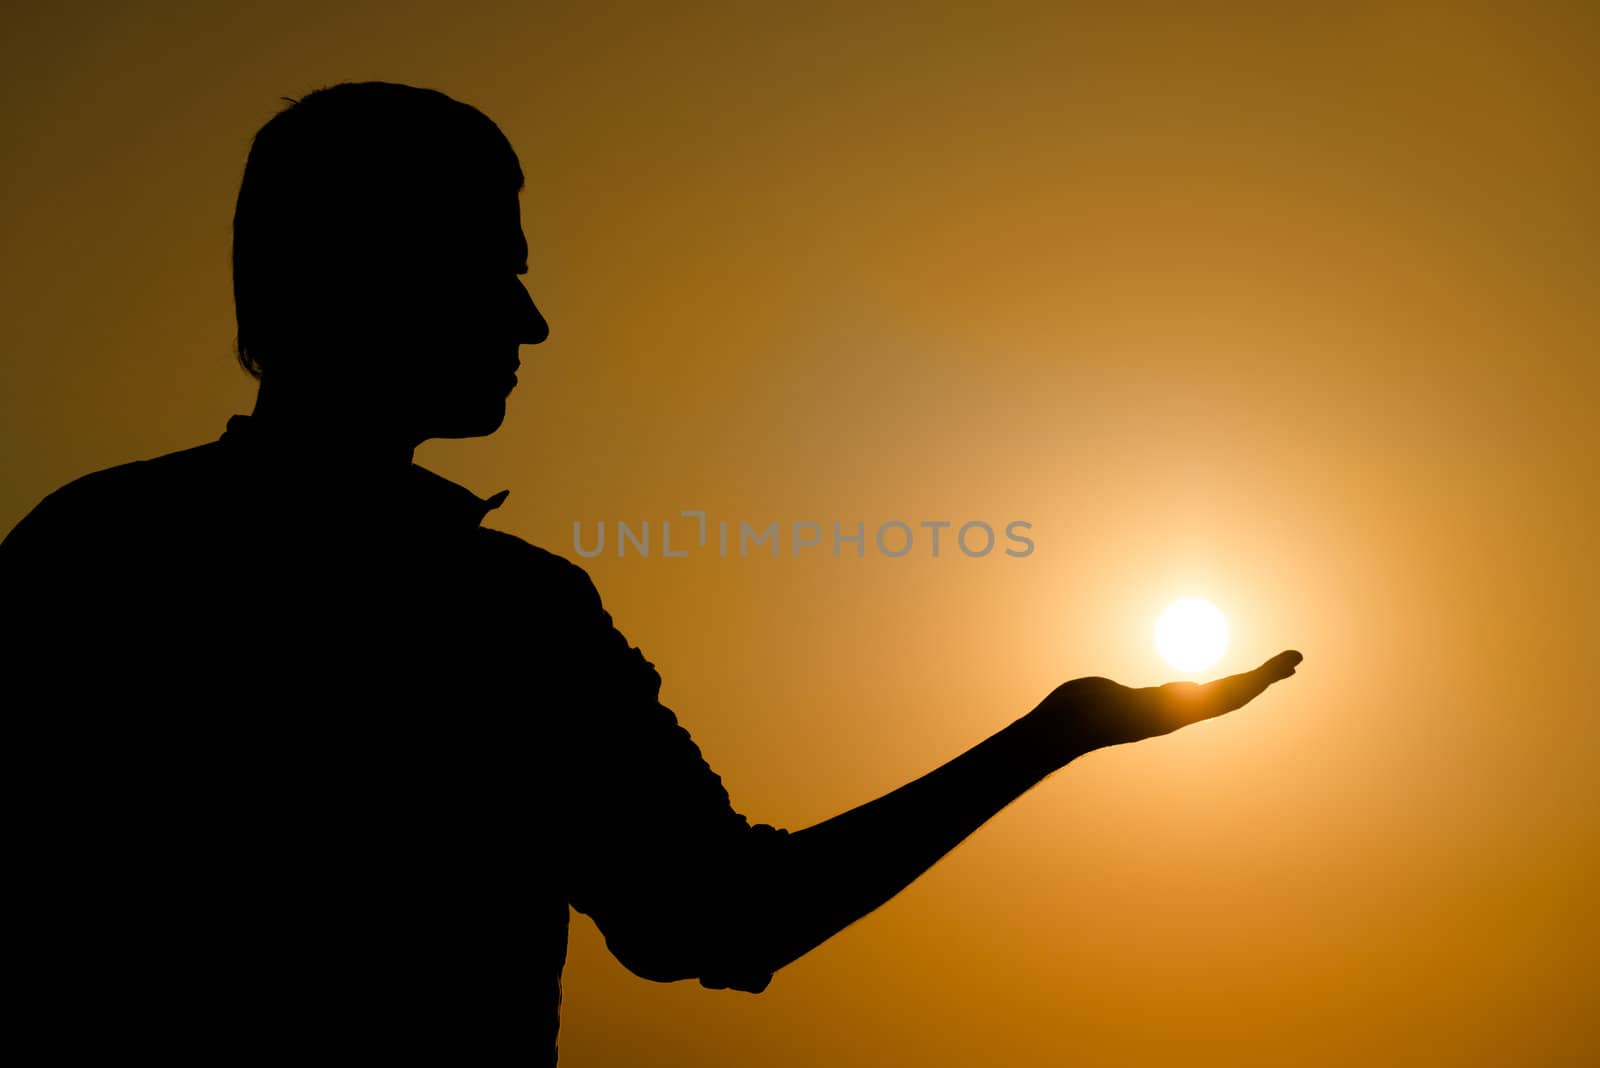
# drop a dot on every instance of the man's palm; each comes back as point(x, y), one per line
point(1091, 713)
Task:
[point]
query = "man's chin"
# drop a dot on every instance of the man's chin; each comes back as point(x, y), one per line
point(478, 423)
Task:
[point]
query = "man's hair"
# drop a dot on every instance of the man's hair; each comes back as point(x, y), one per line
point(344, 188)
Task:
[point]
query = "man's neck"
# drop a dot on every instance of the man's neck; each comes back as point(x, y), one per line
point(340, 439)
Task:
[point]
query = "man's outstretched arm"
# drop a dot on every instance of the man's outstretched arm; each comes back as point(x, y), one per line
point(683, 886)
point(835, 872)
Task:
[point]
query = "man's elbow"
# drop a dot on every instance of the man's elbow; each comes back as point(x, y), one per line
point(718, 964)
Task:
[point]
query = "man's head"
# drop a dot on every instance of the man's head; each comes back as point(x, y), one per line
point(376, 246)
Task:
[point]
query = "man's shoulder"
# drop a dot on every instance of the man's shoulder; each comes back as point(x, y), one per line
point(178, 469)
point(524, 560)
point(127, 490)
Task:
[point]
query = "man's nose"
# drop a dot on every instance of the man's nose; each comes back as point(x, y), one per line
point(531, 325)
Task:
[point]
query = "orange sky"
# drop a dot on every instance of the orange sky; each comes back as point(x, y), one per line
point(1292, 311)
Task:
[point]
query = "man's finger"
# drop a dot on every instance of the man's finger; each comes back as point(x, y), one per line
point(1191, 701)
point(1236, 691)
point(1282, 665)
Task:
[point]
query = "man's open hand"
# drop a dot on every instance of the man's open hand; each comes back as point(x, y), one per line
point(1092, 713)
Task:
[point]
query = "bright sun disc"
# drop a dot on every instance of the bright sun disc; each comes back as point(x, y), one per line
point(1191, 634)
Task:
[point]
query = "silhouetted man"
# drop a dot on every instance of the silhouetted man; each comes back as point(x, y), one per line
point(311, 764)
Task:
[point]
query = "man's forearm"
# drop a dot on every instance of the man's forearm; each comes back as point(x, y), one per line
point(837, 871)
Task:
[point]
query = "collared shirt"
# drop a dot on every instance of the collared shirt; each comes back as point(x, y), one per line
point(314, 769)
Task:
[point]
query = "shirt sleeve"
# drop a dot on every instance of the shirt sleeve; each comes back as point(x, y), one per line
point(653, 850)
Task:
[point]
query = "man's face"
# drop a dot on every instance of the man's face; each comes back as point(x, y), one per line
point(457, 320)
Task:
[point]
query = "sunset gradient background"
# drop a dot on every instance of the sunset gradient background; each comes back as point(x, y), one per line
point(1292, 307)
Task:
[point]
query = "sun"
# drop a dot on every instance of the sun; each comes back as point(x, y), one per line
point(1191, 634)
